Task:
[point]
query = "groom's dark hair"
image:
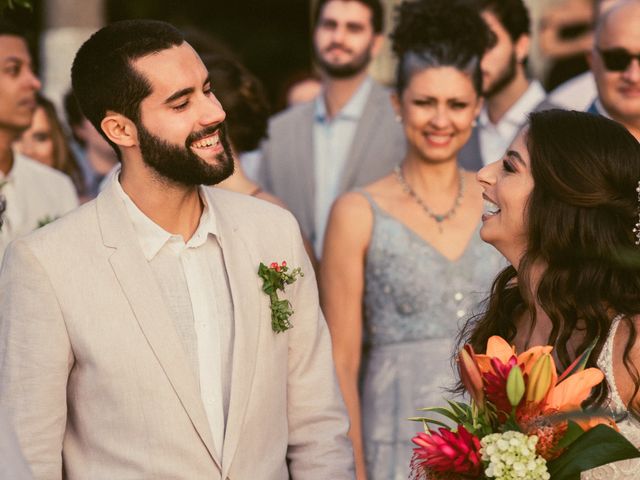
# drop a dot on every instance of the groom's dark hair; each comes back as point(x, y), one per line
point(103, 77)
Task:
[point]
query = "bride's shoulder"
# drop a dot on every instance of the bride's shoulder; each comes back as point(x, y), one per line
point(626, 359)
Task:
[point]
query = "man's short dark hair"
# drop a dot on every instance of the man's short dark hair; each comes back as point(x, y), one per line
point(512, 15)
point(102, 76)
point(7, 27)
point(377, 12)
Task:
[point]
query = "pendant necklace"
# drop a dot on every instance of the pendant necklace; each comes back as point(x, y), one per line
point(439, 218)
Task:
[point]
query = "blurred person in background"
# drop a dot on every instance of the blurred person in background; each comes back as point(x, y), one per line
point(303, 90)
point(403, 263)
point(509, 94)
point(579, 92)
point(345, 138)
point(565, 35)
point(31, 194)
point(243, 99)
point(615, 63)
point(46, 141)
point(97, 156)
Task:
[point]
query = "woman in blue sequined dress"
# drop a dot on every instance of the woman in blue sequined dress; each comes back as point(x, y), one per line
point(403, 265)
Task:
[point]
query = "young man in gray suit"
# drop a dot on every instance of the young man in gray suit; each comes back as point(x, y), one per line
point(348, 135)
point(136, 340)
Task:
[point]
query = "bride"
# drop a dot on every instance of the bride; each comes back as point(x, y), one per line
point(563, 207)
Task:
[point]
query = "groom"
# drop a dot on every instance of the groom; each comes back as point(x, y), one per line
point(135, 339)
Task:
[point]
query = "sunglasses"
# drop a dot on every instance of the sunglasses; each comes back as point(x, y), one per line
point(617, 59)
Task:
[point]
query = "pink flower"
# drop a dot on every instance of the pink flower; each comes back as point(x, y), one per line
point(451, 452)
point(496, 383)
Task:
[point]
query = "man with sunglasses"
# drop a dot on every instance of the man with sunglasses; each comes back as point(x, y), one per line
point(615, 62)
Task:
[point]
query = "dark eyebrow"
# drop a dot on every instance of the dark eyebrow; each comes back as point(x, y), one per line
point(13, 59)
point(179, 93)
point(185, 91)
point(516, 156)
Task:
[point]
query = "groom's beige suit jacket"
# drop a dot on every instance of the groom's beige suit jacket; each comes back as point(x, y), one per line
point(98, 386)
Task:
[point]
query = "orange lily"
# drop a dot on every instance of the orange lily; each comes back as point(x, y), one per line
point(470, 374)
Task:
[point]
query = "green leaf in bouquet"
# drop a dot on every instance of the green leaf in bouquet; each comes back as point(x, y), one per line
point(579, 363)
point(596, 447)
point(427, 421)
point(445, 412)
point(571, 435)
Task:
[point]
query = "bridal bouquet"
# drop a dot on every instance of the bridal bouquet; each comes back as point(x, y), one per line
point(524, 422)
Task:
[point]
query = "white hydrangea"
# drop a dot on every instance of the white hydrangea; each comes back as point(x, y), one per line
point(512, 456)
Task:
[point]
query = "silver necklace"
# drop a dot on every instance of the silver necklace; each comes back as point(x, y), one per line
point(438, 217)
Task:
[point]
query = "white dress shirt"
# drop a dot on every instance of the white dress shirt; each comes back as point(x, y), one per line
point(204, 307)
point(577, 93)
point(496, 138)
point(35, 195)
point(332, 140)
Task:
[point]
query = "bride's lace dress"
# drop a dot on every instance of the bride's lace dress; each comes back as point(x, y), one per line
point(629, 426)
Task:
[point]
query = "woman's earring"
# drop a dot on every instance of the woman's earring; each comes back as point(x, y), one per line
point(474, 124)
point(398, 118)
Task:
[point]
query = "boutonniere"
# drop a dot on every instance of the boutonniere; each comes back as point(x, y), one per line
point(274, 278)
point(46, 220)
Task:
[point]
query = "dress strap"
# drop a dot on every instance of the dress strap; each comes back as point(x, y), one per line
point(369, 197)
point(606, 364)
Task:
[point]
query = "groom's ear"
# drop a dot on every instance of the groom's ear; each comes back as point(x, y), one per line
point(119, 129)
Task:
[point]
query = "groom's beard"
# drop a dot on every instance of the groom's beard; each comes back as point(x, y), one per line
point(179, 164)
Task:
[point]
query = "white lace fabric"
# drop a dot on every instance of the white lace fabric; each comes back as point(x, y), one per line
point(629, 426)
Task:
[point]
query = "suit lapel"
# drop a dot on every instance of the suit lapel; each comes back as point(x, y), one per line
point(145, 298)
point(469, 156)
point(303, 155)
point(249, 319)
point(363, 137)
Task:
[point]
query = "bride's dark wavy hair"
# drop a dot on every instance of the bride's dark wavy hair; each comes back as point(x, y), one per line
point(580, 216)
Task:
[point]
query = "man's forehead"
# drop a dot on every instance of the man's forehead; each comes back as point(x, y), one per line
point(172, 69)
point(14, 46)
point(621, 26)
point(346, 10)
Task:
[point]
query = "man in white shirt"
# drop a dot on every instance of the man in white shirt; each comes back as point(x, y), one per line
point(509, 94)
point(348, 135)
point(31, 193)
point(615, 63)
point(137, 339)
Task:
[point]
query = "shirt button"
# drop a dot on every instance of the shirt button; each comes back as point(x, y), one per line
point(458, 296)
point(460, 313)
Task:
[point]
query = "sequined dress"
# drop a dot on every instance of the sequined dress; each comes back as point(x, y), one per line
point(629, 426)
point(415, 301)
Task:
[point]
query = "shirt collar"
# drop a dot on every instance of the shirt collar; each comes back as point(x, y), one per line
point(353, 108)
point(517, 114)
point(153, 237)
point(16, 168)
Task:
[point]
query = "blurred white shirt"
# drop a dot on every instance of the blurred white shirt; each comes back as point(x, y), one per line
point(35, 195)
point(577, 93)
point(496, 138)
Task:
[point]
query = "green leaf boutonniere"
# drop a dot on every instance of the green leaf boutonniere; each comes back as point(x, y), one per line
point(274, 278)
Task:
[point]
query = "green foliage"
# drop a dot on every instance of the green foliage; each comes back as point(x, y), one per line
point(275, 278)
point(596, 447)
point(12, 4)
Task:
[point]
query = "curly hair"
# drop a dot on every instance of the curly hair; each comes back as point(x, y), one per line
point(439, 33)
point(579, 221)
